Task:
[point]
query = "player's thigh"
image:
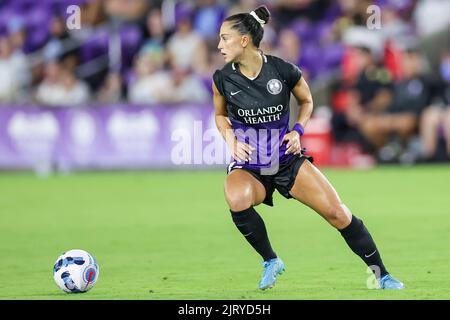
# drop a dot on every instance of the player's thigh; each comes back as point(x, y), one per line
point(374, 124)
point(243, 190)
point(313, 189)
point(431, 116)
point(446, 120)
point(404, 122)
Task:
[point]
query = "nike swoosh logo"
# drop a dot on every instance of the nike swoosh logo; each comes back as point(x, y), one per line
point(234, 93)
point(368, 256)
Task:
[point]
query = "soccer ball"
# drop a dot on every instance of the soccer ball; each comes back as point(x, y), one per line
point(75, 271)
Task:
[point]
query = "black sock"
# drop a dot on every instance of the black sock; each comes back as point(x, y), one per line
point(360, 241)
point(252, 227)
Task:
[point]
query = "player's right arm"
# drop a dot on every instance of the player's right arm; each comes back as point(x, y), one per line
point(239, 150)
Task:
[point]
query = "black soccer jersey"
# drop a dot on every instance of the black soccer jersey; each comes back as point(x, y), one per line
point(259, 108)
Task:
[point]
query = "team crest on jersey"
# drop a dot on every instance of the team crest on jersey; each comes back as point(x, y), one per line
point(274, 86)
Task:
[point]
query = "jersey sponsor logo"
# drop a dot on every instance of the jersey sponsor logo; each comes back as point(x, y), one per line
point(274, 86)
point(261, 115)
point(235, 93)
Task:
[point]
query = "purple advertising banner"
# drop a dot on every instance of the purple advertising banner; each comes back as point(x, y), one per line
point(110, 137)
point(28, 137)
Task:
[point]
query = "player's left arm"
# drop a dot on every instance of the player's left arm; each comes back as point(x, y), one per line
point(303, 96)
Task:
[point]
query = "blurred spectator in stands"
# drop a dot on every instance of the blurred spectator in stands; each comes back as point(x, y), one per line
point(92, 15)
point(393, 27)
point(17, 35)
point(14, 72)
point(288, 46)
point(353, 13)
point(149, 77)
point(111, 90)
point(60, 43)
point(214, 62)
point(17, 32)
point(185, 86)
point(147, 88)
point(370, 95)
point(208, 18)
point(242, 6)
point(126, 10)
point(61, 88)
point(435, 121)
point(186, 48)
point(166, 86)
point(429, 16)
point(288, 10)
point(397, 34)
point(155, 37)
point(268, 41)
point(390, 129)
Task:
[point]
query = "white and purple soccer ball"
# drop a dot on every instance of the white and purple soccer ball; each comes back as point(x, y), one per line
point(75, 271)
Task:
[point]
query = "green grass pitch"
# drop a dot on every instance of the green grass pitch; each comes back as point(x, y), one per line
point(169, 235)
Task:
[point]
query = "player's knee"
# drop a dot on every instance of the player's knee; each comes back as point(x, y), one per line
point(430, 117)
point(338, 215)
point(369, 130)
point(238, 200)
point(406, 125)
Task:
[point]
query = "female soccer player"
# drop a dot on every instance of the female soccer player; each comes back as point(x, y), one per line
point(251, 101)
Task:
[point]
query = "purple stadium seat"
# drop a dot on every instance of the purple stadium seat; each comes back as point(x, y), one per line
point(381, 3)
point(36, 39)
point(129, 77)
point(332, 55)
point(3, 31)
point(22, 6)
point(207, 20)
point(207, 82)
point(323, 30)
point(311, 58)
point(5, 14)
point(37, 27)
point(38, 17)
point(183, 11)
point(332, 13)
point(96, 45)
point(304, 29)
point(131, 38)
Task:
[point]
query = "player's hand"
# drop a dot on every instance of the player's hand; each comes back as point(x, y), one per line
point(293, 142)
point(241, 151)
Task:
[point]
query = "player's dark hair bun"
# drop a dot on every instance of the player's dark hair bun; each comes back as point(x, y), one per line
point(247, 23)
point(263, 13)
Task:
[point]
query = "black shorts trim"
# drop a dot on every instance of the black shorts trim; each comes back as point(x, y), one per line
point(283, 180)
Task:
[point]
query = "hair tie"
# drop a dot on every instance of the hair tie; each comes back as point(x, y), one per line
point(254, 15)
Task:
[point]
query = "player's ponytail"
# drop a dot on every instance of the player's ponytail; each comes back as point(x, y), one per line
point(251, 23)
point(262, 15)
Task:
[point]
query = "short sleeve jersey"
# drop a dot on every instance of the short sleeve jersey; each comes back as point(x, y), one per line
point(258, 108)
